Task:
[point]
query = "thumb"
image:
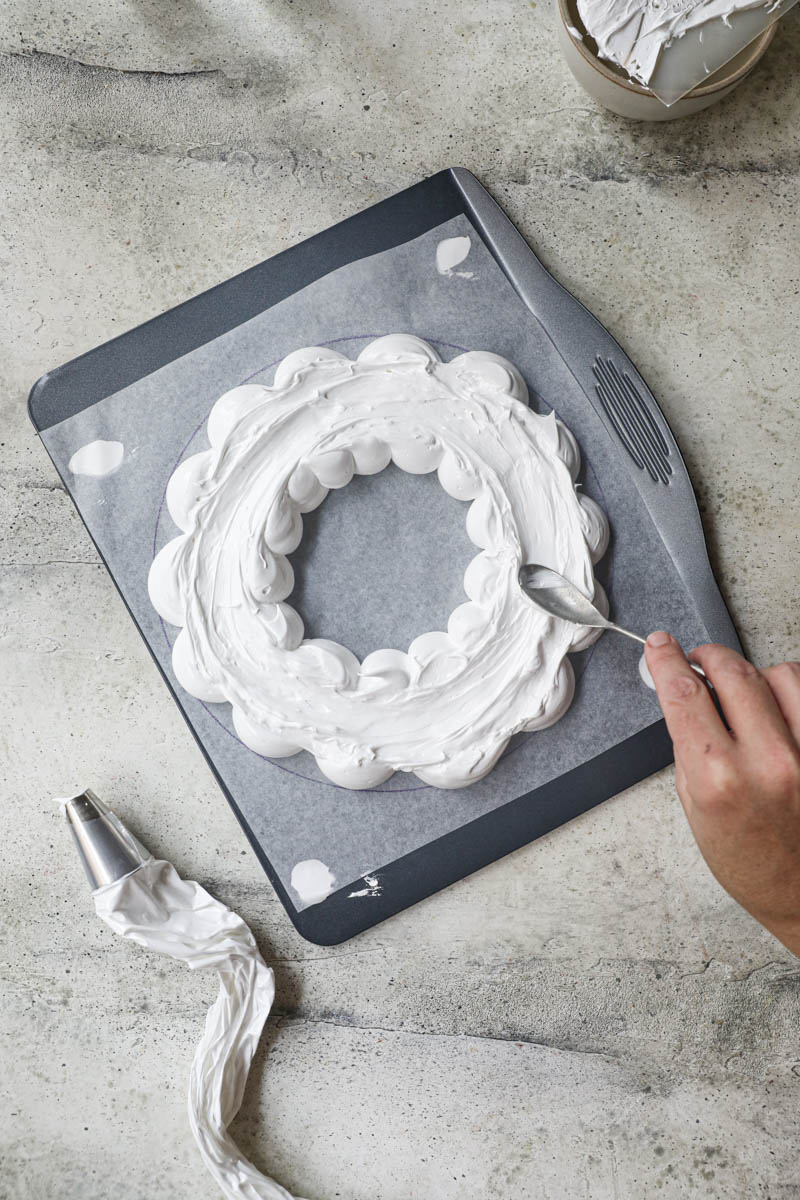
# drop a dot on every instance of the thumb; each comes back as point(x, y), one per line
point(692, 720)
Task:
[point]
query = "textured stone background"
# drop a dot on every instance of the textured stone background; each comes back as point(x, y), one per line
point(591, 1017)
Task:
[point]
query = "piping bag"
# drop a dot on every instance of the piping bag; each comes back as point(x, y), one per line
point(145, 900)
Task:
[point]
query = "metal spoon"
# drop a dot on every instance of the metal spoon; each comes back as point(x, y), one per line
point(557, 596)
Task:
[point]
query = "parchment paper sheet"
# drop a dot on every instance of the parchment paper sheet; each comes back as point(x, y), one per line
point(383, 559)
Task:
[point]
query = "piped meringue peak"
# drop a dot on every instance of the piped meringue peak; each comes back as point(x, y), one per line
point(445, 709)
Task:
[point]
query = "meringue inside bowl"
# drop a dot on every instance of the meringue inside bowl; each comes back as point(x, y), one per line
point(612, 86)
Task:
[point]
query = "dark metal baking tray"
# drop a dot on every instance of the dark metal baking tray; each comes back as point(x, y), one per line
point(644, 447)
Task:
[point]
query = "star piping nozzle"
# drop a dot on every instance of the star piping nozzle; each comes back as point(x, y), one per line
point(107, 848)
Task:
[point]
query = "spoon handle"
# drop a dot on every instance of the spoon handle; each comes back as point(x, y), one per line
point(627, 632)
point(697, 669)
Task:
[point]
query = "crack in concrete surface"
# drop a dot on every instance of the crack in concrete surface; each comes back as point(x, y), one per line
point(51, 562)
point(288, 1018)
point(49, 56)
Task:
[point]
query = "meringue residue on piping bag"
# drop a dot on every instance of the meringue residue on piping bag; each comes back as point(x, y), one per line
point(446, 709)
point(633, 33)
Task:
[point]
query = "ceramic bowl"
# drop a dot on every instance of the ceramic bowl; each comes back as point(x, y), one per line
point(610, 85)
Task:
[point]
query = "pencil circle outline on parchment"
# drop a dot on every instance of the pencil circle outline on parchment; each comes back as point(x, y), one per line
point(383, 789)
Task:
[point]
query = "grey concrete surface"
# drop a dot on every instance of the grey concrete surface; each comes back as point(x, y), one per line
point(591, 1017)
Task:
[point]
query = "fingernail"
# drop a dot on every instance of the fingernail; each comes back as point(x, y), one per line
point(659, 639)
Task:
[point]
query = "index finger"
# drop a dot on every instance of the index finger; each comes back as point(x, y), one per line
point(751, 709)
point(692, 720)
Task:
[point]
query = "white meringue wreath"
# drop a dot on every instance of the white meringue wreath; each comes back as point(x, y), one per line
point(446, 708)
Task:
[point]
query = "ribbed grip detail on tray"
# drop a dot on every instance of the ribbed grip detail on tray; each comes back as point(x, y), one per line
point(632, 420)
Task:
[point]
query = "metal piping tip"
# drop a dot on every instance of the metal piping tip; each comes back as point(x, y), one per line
point(107, 848)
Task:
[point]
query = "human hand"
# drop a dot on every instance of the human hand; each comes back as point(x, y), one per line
point(740, 789)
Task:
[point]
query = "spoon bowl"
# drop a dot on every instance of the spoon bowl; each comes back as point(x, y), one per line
point(560, 598)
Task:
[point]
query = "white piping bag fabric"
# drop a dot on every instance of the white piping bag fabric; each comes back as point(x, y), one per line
point(157, 909)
